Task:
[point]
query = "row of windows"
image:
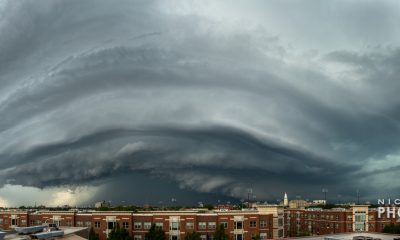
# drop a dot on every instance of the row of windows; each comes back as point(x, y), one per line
point(83, 224)
point(13, 221)
point(110, 225)
point(209, 237)
point(200, 225)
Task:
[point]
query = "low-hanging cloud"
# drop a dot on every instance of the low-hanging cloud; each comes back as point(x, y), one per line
point(93, 91)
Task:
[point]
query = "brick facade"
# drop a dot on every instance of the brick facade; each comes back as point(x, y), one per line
point(176, 224)
point(270, 222)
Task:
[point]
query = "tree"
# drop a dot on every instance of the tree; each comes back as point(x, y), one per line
point(392, 228)
point(209, 206)
point(193, 236)
point(220, 233)
point(92, 235)
point(256, 237)
point(155, 233)
point(118, 233)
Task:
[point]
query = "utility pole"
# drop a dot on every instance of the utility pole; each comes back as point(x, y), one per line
point(324, 191)
point(358, 197)
point(249, 191)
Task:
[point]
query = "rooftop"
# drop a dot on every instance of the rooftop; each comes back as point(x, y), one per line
point(349, 236)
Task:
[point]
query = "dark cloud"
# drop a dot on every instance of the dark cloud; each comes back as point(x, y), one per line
point(158, 92)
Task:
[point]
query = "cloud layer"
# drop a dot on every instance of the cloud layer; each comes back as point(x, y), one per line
point(214, 98)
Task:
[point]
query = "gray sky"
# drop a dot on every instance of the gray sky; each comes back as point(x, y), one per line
point(143, 101)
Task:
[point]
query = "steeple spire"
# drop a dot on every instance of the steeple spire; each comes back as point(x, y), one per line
point(285, 200)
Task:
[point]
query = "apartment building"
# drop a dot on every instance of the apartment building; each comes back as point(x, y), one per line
point(239, 224)
point(318, 221)
point(267, 221)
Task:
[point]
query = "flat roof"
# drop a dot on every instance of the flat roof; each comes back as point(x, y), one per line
point(349, 236)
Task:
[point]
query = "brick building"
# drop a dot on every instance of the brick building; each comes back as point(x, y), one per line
point(318, 221)
point(239, 224)
point(269, 222)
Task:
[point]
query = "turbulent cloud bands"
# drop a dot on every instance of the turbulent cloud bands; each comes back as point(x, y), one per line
point(198, 98)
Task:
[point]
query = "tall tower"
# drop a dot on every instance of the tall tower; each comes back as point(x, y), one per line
point(285, 200)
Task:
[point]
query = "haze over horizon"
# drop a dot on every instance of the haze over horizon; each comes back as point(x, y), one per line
point(143, 101)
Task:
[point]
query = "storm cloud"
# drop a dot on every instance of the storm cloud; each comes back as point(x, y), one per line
point(203, 100)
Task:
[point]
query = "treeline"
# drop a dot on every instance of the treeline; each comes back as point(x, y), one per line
point(157, 233)
point(392, 228)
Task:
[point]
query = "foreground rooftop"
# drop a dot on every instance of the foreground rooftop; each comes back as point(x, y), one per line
point(349, 236)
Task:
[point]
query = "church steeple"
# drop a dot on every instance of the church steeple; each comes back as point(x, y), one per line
point(285, 200)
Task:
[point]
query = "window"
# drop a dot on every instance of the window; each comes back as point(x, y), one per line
point(23, 221)
point(125, 225)
point(97, 224)
point(238, 236)
point(5, 221)
point(349, 226)
point(211, 225)
point(280, 222)
point(189, 225)
point(263, 224)
point(263, 236)
point(203, 237)
point(159, 225)
point(14, 221)
point(370, 225)
point(38, 222)
point(137, 237)
point(110, 225)
point(224, 225)
point(202, 225)
point(69, 223)
point(138, 225)
point(280, 233)
point(1, 221)
point(253, 224)
point(239, 225)
point(360, 217)
point(88, 223)
point(174, 226)
point(147, 225)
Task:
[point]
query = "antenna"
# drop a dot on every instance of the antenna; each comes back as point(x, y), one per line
point(324, 191)
point(358, 196)
point(249, 191)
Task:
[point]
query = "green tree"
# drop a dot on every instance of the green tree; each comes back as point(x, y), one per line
point(155, 233)
point(92, 235)
point(256, 237)
point(118, 233)
point(220, 234)
point(192, 236)
point(209, 206)
point(392, 228)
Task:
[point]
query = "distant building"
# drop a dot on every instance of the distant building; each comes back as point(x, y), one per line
point(319, 202)
point(298, 203)
point(102, 204)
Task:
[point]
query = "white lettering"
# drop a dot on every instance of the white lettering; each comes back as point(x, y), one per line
point(391, 211)
point(381, 201)
point(380, 211)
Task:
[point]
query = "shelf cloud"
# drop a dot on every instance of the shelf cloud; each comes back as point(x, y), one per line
point(200, 99)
